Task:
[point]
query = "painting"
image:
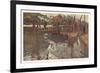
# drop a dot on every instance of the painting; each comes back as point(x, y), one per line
point(52, 36)
point(55, 36)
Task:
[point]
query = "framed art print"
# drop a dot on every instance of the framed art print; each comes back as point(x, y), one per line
point(52, 36)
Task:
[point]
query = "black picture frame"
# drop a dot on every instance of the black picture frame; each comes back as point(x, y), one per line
point(13, 36)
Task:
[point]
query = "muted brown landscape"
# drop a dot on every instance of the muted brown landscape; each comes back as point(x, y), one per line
point(55, 36)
